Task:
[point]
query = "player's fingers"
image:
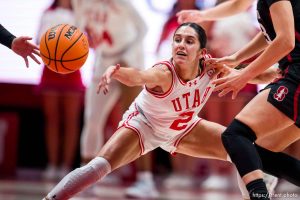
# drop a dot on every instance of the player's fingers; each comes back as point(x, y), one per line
point(26, 61)
point(224, 92)
point(210, 60)
point(221, 86)
point(116, 68)
point(219, 81)
point(33, 46)
point(105, 90)
point(26, 38)
point(100, 86)
point(36, 52)
point(216, 74)
point(234, 94)
point(34, 58)
point(216, 61)
point(209, 66)
point(107, 78)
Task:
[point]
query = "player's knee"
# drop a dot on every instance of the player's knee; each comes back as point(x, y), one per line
point(238, 141)
point(101, 165)
point(95, 170)
point(235, 132)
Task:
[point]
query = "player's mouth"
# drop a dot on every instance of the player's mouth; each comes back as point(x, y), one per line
point(181, 53)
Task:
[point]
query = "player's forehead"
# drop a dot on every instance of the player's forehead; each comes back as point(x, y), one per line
point(186, 31)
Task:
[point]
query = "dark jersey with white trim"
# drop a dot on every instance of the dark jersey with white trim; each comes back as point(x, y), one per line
point(6, 37)
point(265, 21)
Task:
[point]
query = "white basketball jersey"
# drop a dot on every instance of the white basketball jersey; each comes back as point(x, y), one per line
point(177, 109)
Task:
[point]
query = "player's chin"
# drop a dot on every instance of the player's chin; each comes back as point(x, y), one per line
point(180, 59)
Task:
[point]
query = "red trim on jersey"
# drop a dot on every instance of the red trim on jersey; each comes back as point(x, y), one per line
point(296, 97)
point(163, 95)
point(186, 132)
point(126, 125)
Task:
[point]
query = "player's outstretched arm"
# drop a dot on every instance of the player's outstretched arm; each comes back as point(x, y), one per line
point(155, 76)
point(220, 11)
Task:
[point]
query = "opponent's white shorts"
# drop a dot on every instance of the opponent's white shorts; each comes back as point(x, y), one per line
point(150, 139)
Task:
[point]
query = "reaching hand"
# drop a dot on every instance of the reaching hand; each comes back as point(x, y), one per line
point(229, 61)
point(190, 16)
point(221, 70)
point(234, 82)
point(106, 78)
point(22, 47)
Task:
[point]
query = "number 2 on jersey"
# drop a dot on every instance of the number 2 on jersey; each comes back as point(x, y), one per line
point(181, 123)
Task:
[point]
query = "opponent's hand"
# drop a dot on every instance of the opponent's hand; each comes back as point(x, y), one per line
point(22, 47)
point(190, 16)
point(217, 63)
point(233, 82)
point(106, 78)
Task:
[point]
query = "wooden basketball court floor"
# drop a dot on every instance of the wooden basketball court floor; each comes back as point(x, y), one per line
point(35, 190)
point(32, 188)
point(28, 185)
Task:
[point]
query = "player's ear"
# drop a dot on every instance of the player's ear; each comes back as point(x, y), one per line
point(203, 52)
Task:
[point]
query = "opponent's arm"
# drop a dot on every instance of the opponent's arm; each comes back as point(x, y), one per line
point(255, 46)
point(6, 38)
point(267, 76)
point(220, 11)
point(283, 43)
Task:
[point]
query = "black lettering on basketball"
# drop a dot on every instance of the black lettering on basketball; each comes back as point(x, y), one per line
point(52, 32)
point(70, 32)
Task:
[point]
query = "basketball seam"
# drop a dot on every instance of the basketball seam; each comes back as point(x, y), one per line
point(57, 45)
point(68, 50)
point(47, 48)
point(66, 60)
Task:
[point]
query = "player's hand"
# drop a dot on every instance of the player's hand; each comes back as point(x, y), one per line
point(217, 63)
point(233, 82)
point(221, 70)
point(106, 78)
point(190, 16)
point(22, 47)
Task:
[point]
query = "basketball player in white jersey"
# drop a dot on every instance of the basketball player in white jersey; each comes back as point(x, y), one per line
point(165, 114)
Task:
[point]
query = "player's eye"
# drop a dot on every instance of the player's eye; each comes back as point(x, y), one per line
point(190, 41)
point(177, 40)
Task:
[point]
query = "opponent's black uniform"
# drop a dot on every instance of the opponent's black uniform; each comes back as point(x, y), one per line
point(284, 94)
point(238, 138)
point(6, 37)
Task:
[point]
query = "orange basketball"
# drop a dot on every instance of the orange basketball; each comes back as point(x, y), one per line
point(64, 48)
